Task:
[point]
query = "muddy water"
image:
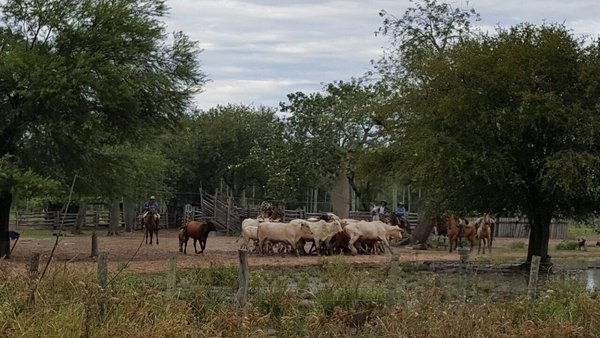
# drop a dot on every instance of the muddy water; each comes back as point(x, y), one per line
point(585, 269)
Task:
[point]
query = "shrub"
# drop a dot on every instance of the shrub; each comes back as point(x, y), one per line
point(567, 245)
point(518, 245)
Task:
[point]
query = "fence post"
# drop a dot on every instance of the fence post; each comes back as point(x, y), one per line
point(242, 293)
point(172, 276)
point(102, 280)
point(56, 220)
point(34, 264)
point(393, 279)
point(94, 244)
point(464, 262)
point(228, 214)
point(533, 277)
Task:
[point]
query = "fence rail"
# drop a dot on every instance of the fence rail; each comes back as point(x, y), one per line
point(55, 218)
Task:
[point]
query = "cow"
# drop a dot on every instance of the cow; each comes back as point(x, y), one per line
point(198, 231)
point(371, 231)
point(286, 233)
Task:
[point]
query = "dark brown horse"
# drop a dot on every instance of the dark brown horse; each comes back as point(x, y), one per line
point(402, 223)
point(150, 223)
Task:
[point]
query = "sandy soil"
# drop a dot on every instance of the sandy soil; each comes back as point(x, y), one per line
point(74, 251)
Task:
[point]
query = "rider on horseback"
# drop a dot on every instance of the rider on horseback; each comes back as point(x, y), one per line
point(401, 213)
point(151, 206)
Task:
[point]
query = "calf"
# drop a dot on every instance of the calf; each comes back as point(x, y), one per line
point(198, 231)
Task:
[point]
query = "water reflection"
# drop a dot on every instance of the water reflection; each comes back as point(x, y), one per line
point(593, 279)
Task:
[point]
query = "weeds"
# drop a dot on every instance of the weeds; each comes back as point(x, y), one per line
point(567, 245)
point(344, 301)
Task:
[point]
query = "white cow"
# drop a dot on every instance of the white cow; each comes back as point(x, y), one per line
point(371, 231)
point(287, 233)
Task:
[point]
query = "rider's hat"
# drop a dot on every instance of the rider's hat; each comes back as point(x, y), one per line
point(152, 197)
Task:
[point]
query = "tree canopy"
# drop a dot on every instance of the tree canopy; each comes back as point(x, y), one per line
point(76, 76)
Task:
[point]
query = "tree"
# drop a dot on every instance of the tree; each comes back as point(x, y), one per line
point(77, 75)
point(218, 145)
point(336, 128)
point(509, 123)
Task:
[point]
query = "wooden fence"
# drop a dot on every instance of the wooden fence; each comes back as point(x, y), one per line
point(53, 219)
point(519, 228)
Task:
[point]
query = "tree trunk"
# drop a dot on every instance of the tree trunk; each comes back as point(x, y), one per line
point(115, 217)
point(129, 213)
point(80, 222)
point(5, 202)
point(422, 232)
point(340, 197)
point(539, 236)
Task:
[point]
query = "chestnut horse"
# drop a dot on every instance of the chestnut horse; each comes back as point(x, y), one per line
point(150, 223)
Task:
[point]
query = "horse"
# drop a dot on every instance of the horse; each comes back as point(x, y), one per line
point(455, 230)
point(402, 223)
point(484, 233)
point(150, 224)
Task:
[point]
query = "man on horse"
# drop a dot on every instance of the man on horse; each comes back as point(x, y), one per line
point(151, 206)
point(401, 214)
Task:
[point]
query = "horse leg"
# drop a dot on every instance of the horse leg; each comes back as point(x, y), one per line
point(195, 249)
point(156, 233)
point(202, 245)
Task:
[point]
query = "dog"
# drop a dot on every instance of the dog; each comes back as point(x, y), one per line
point(581, 244)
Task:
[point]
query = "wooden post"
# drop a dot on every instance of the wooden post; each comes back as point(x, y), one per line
point(315, 207)
point(393, 279)
point(172, 276)
point(215, 204)
point(34, 264)
point(242, 293)
point(102, 281)
point(464, 261)
point(228, 214)
point(56, 220)
point(533, 277)
point(94, 244)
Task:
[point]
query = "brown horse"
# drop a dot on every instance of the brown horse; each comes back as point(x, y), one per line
point(402, 223)
point(455, 230)
point(150, 223)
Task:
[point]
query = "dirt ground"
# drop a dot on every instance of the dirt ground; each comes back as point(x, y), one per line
point(74, 251)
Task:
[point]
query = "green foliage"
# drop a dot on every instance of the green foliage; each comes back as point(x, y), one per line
point(518, 245)
point(25, 183)
point(231, 142)
point(567, 245)
point(335, 129)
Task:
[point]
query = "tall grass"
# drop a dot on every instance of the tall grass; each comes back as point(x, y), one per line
point(333, 300)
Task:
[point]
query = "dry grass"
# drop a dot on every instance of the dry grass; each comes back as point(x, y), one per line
point(351, 302)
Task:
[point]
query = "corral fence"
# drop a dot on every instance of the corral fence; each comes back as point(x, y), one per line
point(228, 217)
point(519, 228)
point(53, 219)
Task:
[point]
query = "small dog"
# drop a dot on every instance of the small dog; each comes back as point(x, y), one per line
point(581, 243)
point(598, 243)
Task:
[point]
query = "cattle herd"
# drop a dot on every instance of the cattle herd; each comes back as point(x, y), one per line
point(326, 235)
point(329, 234)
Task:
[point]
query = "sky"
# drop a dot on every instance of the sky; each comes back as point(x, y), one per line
point(255, 52)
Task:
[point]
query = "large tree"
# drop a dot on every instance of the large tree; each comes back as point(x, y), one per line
point(76, 75)
point(336, 128)
point(509, 123)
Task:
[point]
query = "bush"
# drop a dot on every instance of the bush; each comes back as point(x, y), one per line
point(518, 245)
point(567, 245)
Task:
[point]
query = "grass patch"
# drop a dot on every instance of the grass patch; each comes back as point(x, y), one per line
point(351, 302)
point(519, 245)
point(567, 245)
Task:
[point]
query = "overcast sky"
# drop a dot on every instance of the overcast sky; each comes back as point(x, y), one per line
point(258, 51)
